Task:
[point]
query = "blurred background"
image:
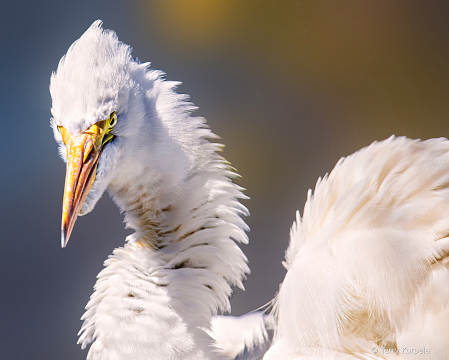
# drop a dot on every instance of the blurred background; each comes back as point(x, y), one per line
point(290, 86)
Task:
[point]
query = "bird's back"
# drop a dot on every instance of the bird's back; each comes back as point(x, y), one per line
point(371, 246)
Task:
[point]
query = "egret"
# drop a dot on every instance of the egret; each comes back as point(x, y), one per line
point(123, 129)
point(367, 265)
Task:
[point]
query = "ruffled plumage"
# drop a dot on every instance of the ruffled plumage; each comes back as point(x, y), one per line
point(362, 260)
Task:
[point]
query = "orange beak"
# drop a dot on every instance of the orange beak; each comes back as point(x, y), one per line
point(83, 153)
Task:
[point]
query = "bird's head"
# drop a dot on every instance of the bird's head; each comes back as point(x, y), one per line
point(99, 118)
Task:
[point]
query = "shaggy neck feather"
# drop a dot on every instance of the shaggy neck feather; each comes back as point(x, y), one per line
point(174, 273)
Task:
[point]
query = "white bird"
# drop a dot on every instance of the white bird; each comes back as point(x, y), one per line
point(122, 129)
point(368, 274)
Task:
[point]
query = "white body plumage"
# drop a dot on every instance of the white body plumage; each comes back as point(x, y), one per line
point(368, 262)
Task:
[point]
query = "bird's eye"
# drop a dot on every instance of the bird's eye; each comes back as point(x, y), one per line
point(112, 119)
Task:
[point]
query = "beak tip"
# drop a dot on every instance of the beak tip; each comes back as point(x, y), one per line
point(64, 239)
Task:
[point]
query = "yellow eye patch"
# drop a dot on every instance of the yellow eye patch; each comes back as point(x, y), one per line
point(101, 130)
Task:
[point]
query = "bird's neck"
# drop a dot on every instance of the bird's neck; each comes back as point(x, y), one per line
point(151, 209)
point(176, 270)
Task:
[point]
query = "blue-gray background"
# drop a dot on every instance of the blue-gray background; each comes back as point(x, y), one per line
point(290, 86)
